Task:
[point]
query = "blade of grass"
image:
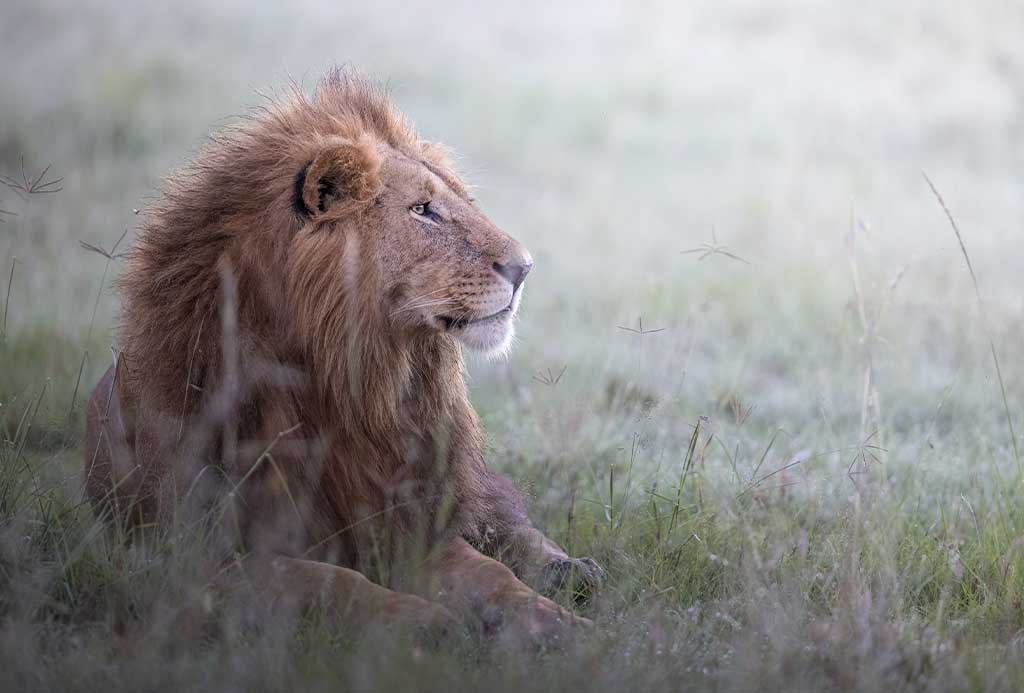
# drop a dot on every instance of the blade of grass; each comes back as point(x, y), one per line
point(984, 321)
point(7, 301)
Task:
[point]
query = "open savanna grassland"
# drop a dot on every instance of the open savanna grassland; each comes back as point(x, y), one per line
point(755, 377)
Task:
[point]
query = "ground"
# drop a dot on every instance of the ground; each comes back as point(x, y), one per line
point(754, 376)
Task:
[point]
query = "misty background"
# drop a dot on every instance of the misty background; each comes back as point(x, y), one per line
point(754, 378)
point(610, 138)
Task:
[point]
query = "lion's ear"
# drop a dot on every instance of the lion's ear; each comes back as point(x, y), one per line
point(342, 176)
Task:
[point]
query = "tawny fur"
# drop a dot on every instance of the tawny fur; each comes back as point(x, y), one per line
point(259, 328)
point(287, 365)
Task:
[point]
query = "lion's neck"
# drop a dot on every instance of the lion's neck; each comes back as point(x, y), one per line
point(409, 438)
point(385, 390)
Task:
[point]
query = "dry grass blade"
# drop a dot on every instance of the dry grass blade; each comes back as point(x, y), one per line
point(866, 452)
point(7, 301)
point(984, 320)
point(265, 455)
point(111, 254)
point(33, 185)
point(959, 237)
point(549, 377)
point(640, 328)
point(713, 248)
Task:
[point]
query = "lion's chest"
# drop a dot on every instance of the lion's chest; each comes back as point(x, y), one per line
point(384, 491)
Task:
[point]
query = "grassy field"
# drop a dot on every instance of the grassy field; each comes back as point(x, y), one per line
point(756, 378)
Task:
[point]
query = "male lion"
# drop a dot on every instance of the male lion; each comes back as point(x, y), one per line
point(291, 372)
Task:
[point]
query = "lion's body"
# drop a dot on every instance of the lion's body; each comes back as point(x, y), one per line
point(284, 363)
point(367, 443)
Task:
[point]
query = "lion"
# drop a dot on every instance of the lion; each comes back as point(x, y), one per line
point(294, 313)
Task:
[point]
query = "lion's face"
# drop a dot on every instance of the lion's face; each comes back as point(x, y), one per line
point(439, 263)
point(447, 266)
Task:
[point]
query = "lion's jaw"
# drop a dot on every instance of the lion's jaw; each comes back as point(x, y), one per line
point(490, 333)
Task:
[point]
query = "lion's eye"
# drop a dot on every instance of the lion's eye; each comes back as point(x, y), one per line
point(422, 209)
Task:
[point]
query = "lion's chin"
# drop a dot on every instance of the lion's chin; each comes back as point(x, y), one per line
point(492, 338)
point(491, 335)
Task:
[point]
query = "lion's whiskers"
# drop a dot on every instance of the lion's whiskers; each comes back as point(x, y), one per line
point(416, 299)
point(418, 306)
point(418, 302)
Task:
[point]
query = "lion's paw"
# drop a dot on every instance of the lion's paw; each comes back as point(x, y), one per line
point(543, 625)
point(580, 576)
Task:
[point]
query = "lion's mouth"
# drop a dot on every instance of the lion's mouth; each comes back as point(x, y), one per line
point(451, 323)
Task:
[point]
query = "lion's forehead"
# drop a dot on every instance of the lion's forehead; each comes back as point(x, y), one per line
point(421, 171)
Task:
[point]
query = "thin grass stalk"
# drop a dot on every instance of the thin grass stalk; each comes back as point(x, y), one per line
point(984, 322)
point(7, 302)
point(687, 462)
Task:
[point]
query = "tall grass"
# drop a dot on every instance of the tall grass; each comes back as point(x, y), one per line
point(730, 566)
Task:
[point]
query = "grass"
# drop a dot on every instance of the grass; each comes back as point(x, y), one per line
point(793, 447)
point(735, 557)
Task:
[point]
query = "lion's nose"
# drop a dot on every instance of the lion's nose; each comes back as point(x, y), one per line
point(515, 272)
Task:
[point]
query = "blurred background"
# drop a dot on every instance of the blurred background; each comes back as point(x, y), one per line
point(732, 230)
point(725, 200)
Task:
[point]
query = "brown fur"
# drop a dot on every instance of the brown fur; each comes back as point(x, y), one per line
point(290, 348)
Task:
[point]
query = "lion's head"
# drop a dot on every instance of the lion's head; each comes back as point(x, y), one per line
point(355, 247)
point(431, 258)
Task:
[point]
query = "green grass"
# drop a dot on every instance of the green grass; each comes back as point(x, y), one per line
point(710, 584)
point(733, 560)
point(848, 514)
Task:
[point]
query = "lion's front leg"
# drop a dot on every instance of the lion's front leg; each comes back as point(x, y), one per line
point(511, 537)
point(474, 584)
point(550, 569)
point(347, 596)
